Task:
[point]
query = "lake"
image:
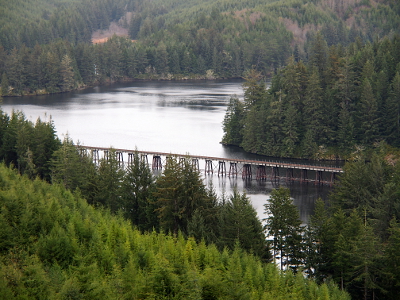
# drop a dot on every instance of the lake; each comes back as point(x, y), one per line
point(182, 117)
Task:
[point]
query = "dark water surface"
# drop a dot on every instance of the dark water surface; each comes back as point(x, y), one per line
point(173, 117)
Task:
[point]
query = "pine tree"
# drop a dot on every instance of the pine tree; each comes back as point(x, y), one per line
point(138, 186)
point(391, 121)
point(240, 225)
point(180, 191)
point(162, 59)
point(45, 142)
point(368, 122)
point(283, 224)
point(67, 74)
point(232, 124)
point(109, 182)
point(4, 85)
point(71, 167)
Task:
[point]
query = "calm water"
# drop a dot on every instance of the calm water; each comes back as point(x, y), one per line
point(172, 117)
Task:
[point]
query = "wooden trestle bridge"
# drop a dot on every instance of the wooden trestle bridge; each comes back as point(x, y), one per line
point(247, 169)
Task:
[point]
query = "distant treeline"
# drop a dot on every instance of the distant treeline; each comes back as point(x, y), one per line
point(31, 22)
point(49, 50)
point(341, 101)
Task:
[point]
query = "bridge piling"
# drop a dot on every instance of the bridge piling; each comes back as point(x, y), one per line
point(233, 169)
point(261, 172)
point(144, 159)
point(289, 174)
point(157, 164)
point(333, 178)
point(304, 176)
point(275, 173)
point(318, 177)
point(209, 167)
point(130, 158)
point(221, 168)
point(96, 156)
point(120, 158)
point(246, 172)
point(195, 164)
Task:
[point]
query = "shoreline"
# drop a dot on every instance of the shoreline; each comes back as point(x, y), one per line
point(151, 77)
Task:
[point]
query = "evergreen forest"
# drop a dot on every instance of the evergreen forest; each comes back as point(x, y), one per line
point(46, 46)
point(75, 228)
point(342, 101)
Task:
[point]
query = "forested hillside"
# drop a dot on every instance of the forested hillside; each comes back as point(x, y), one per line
point(71, 228)
point(185, 241)
point(53, 245)
point(340, 102)
point(50, 51)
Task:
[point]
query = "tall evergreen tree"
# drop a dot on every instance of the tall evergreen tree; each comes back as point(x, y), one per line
point(368, 115)
point(4, 84)
point(67, 74)
point(238, 223)
point(180, 191)
point(109, 182)
point(283, 225)
point(233, 123)
point(391, 119)
point(138, 186)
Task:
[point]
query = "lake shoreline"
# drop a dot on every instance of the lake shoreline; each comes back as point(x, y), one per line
point(149, 77)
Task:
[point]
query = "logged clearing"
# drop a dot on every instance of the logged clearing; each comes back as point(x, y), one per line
point(101, 36)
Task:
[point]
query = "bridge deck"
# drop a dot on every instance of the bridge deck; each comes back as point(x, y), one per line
point(232, 160)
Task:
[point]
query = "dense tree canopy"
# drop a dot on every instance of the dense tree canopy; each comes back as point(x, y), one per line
point(48, 49)
point(54, 245)
point(342, 100)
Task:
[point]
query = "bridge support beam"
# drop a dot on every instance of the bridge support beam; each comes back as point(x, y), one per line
point(83, 152)
point(96, 156)
point(209, 167)
point(106, 155)
point(275, 173)
point(195, 164)
point(333, 178)
point(261, 172)
point(318, 177)
point(157, 163)
point(304, 176)
point(144, 159)
point(233, 169)
point(120, 158)
point(221, 168)
point(289, 174)
point(130, 158)
point(246, 172)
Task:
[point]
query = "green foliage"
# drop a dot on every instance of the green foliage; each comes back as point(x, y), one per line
point(138, 187)
point(240, 226)
point(283, 225)
point(175, 39)
point(61, 247)
point(339, 102)
point(27, 146)
point(180, 192)
point(233, 123)
point(353, 241)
